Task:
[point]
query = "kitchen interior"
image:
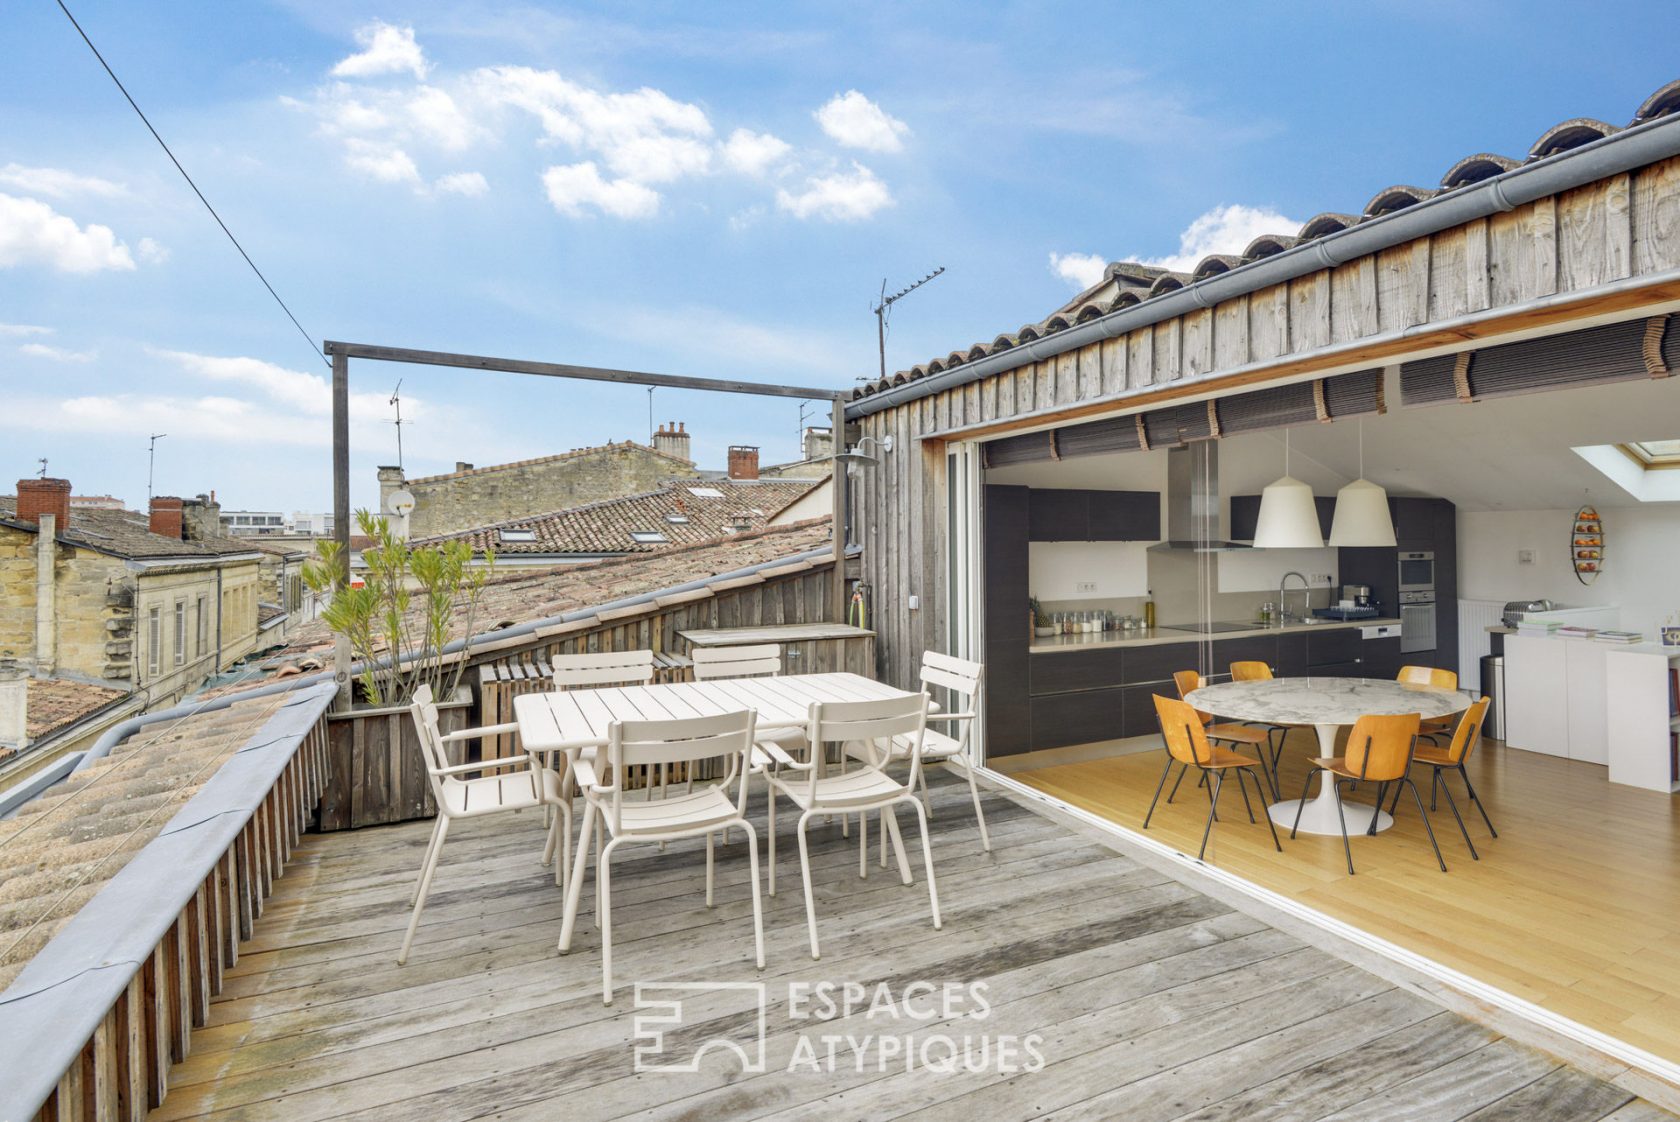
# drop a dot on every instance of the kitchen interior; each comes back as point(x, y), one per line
point(1573, 903)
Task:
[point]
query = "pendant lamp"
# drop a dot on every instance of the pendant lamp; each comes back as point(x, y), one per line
point(1288, 518)
point(1362, 516)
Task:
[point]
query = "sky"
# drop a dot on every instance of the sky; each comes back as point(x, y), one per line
point(715, 190)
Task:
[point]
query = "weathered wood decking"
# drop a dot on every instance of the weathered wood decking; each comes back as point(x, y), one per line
point(1151, 1000)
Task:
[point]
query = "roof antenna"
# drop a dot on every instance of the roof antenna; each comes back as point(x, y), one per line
point(884, 309)
point(43, 462)
point(151, 462)
point(396, 401)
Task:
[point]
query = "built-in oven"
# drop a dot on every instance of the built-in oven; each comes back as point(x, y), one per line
point(1417, 573)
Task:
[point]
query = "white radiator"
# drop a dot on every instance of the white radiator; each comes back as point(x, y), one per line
point(1474, 618)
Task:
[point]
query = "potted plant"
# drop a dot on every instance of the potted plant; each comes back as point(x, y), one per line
point(399, 622)
point(1041, 619)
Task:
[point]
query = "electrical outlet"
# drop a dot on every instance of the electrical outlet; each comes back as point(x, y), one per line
point(1085, 586)
point(1525, 557)
point(915, 602)
point(1323, 578)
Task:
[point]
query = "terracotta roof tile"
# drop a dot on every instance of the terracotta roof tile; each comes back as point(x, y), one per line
point(123, 533)
point(57, 702)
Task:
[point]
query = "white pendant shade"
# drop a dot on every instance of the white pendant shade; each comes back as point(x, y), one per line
point(1288, 519)
point(1362, 516)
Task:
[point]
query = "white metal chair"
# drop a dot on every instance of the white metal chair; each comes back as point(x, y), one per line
point(962, 679)
point(858, 791)
point(756, 660)
point(595, 669)
point(702, 812)
point(528, 788)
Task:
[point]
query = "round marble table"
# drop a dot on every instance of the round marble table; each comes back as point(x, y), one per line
point(1327, 704)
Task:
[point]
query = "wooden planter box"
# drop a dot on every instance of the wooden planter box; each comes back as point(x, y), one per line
point(378, 773)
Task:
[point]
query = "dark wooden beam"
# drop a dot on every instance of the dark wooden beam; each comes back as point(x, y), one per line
point(341, 510)
point(340, 350)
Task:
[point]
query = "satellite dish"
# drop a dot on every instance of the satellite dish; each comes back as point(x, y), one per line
point(400, 502)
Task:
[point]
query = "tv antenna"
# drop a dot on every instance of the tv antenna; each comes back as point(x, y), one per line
point(884, 309)
point(806, 409)
point(396, 401)
point(151, 462)
point(43, 462)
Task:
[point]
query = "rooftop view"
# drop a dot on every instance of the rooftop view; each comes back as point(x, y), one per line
point(606, 563)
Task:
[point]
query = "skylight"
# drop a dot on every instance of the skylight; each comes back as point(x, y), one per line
point(677, 519)
point(705, 492)
point(647, 537)
point(1654, 453)
point(515, 536)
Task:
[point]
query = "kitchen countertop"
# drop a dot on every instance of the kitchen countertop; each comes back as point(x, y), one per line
point(1049, 644)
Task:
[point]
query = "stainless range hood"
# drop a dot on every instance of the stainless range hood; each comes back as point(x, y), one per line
point(1193, 501)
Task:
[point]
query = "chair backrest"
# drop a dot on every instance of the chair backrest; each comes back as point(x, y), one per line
point(601, 668)
point(1428, 676)
point(961, 679)
point(871, 722)
point(1188, 681)
point(1379, 748)
point(424, 710)
point(753, 661)
point(1250, 671)
point(726, 736)
point(1183, 731)
point(1469, 731)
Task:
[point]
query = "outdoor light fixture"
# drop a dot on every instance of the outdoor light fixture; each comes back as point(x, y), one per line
point(1362, 516)
point(1288, 518)
point(857, 456)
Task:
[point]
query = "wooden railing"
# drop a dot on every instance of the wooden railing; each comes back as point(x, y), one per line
point(91, 1026)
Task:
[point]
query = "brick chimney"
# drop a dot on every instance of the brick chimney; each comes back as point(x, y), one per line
point(672, 439)
point(743, 461)
point(166, 517)
point(14, 705)
point(44, 496)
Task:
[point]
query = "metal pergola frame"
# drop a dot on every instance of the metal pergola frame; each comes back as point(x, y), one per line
point(341, 353)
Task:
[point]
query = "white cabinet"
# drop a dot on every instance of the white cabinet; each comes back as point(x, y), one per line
point(1590, 701)
point(1636, 692)
point(1536, 695)
point(1584, 663)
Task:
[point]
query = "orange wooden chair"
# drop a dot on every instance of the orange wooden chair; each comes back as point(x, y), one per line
point(1379, 750)
point(1188, 681)
point(1187, 741)
point(1254, 670)
point(1464, 740)
point(1435, 677)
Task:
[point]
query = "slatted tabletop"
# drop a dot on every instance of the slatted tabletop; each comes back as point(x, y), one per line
point(567, 720)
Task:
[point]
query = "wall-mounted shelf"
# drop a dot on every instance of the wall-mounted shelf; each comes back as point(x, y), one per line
point(1586, 545)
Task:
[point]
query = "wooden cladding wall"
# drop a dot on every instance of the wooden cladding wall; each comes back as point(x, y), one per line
point(1621, 227)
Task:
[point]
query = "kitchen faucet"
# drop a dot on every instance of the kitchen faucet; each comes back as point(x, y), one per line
point(1306, 587)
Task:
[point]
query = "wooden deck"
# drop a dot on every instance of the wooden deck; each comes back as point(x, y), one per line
point(1150, 999)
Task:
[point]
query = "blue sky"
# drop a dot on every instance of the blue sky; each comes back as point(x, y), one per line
point(694, 189)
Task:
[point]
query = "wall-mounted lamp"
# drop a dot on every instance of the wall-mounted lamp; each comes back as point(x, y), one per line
point(856, 456)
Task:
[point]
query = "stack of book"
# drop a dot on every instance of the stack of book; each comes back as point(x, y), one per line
point(1620, 637)
point(1573, 632)
point(1526, 626)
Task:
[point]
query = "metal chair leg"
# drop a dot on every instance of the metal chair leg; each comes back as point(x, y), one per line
point(1347, 846)
point(1464, 775)
point(1184, 768)
point(1213, 810)
point(1158, 786)
point(1452, 804)
point(1266, 813)
point(1434, 785)
point(1243, 787)
point(1301, 804)
point(1213, 798)
point(1431, 830)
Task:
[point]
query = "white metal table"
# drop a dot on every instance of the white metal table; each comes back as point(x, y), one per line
point(1327, 704)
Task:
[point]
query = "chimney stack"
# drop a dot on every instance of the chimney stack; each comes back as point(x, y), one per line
point(819, 443)
point(36, 497)
point(166, 517)
point(462, 465)
point(14, 705)
point(743, 461)
point(672, 439)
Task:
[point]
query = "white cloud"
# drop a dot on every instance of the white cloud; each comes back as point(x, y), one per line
point(56, 354)
point(386, 49)
point(469, 183)
point(20, 330)
point(840, 197)
point(151, 252)
point(309, 394)
point(741, 345)
point(754, 153)
point(55, 182)
point(383, 162)
point(853, 121)
point(436, 115)
point(32, 233)
point(1081, 269)
point(1224, 229)
point(576, 187)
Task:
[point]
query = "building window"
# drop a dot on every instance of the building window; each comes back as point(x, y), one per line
point(203, 625)
point(648, 537)
point(180, 633)
point(515, 536)
point(154, 642)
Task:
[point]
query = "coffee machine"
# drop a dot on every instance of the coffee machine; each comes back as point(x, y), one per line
point(1360, 594)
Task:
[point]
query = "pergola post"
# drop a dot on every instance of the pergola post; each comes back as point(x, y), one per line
point(341, 512)
point(837, 443)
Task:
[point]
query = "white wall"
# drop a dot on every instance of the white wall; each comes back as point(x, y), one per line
point(1641, 560)
point(1056, 570)
point(1260, 570)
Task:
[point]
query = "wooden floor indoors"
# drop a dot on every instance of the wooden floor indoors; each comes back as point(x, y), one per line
point(1152, 1000)
point(1575, 906)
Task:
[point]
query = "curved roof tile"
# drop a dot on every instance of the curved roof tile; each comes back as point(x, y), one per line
point(1124, 299)
point(1327, 223)
point(1398, 197)
point(1088, 312)
point(1133, 271)
point(1474, 169)
point(1169, 282)
point(1214, 264)
point(1267, 244)
point(1002, 343)
point(978, 350)
point(956, 358)
point(1572, 133)
point(1660, 104)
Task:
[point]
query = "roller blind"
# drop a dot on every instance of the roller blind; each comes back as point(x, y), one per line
point(1615, 352)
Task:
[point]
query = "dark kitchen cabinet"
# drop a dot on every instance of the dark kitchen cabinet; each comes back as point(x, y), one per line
point(1063, 672)
point(1332, 648)
point(1245, 516)
point(1008, 624)
point(1257, 648)
point(1380, 658)
point(1414, 523)
point(1077, 718)
point(1094, 516)
point(1291, 655)
point(1137, 715)
point(1158, 662)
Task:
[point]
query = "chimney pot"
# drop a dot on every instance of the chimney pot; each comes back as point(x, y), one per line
point(462, 465)
point(166, 517)
point(673, 441)
point(14, 705)
point(36, 497)
point(743, 461)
